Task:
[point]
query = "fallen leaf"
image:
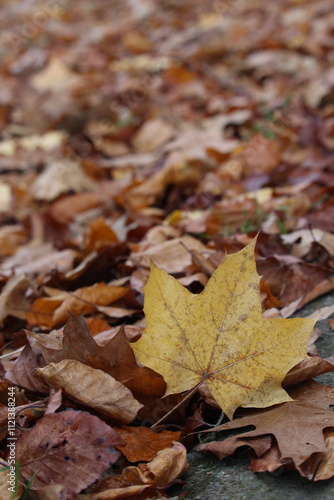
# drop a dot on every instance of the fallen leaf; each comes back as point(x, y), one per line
point(244, 358)
point(56, 77)
point(13, 298)
point(99, 235)
point(31, 259)
point(298, 426)
point(152, 135)
point(171, 255)
point(61, 177)
point(320, 466)
point(69, 448)
point(52, 311)
point(114, 356)
point(23, 372)
point(168, 465)
point(93, 388)
point(311, 367)
point(142, 444)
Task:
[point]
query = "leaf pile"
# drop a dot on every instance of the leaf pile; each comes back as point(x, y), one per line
point(143, 146)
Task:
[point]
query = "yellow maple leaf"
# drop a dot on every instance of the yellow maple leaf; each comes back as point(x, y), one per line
point(220, 336)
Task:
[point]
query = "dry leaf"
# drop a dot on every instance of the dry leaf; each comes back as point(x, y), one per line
point(114, 356)
point(172, 256)
point(220, 336)
point(69, 448)
point(142, 444)
point(61, 177)
point(297, 426)
point(52, 311)
point(168, 465)
point(93, 388)
point(23, 372)
point(152, 135)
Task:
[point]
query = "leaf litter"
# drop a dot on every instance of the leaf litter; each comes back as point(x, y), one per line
point(160, 131)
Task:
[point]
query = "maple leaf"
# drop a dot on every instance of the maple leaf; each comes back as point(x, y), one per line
point(219, 336)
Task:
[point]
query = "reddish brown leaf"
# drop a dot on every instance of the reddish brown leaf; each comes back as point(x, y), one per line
point(115, 357)
point(142, 444)
point(70, 448)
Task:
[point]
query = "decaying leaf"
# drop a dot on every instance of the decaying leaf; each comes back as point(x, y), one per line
point(142, 444)
point(113, 356)
point(69, 448)
point(51, 311)
point(220, 336)
point(168, 465)
point(298, 427)
point(93, 388)
point(147, 480)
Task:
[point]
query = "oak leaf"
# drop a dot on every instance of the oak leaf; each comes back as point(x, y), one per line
point(298, 427)
point(219, 336)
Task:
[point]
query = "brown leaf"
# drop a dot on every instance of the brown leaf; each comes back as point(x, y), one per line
point(168, 465)
point(93, 388)
point(52, 311)
point(31, 259)
point(61, 177)
point(70, 448)
point(309, 368)
point(114, 357)
point(23, 373)
point(64, 210)
point(268, 461)
point(142, 444)
point(320, 466)
point(262, 155)
point(13, 298)
point(173, 256)
point(297, 426)
point(99, 235)
point(152, 135)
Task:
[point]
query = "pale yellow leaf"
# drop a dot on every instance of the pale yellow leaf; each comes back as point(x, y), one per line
point(220, 336)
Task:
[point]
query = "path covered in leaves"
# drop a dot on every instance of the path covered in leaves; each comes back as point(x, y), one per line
point(164, 130)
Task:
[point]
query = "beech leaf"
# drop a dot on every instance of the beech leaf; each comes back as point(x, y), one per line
point(220, 336)
point(93, 388)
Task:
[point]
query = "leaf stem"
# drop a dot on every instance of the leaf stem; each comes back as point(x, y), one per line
point(187, 396)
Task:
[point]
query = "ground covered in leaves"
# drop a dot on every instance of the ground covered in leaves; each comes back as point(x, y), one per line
point(174, 132)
